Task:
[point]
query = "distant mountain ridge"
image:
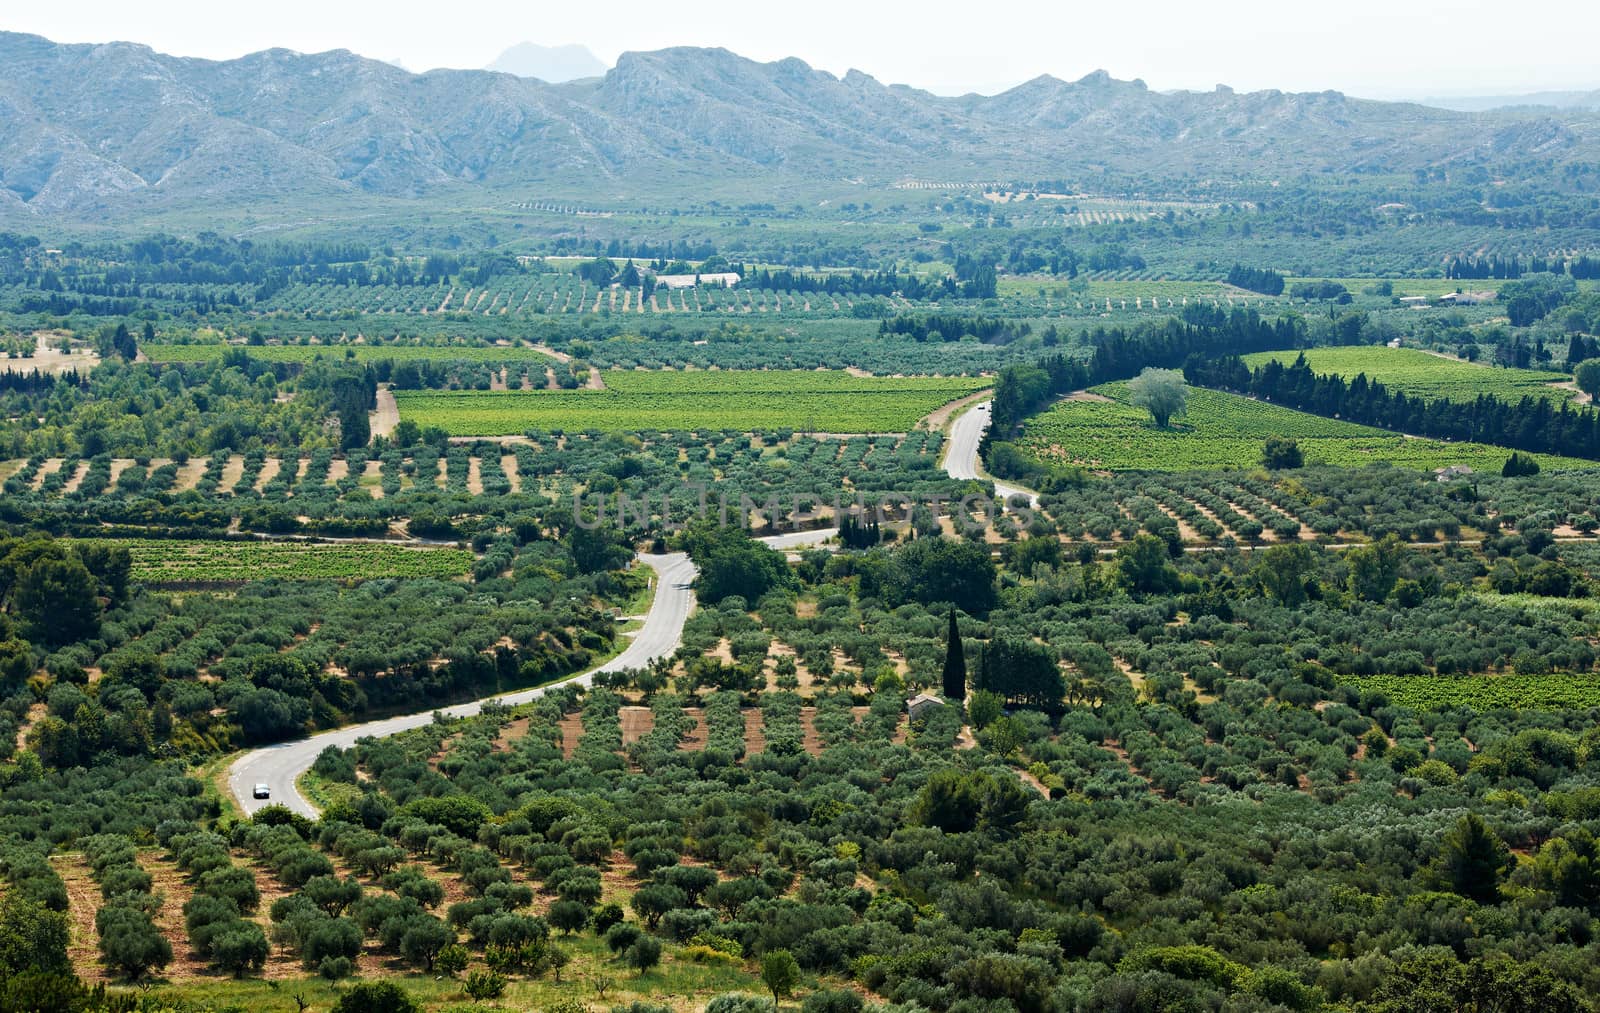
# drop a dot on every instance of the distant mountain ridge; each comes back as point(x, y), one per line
point(1586, 100)
point(87, 129)
point(556, 64)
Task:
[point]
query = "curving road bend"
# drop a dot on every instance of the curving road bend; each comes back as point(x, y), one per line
point(961, 460)
point(279, 766)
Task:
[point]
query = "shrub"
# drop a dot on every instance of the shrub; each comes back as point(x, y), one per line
point(377, 997)
point(486, 984)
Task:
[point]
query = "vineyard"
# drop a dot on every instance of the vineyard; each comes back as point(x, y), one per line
point(1225, 430)
point(1422, 374)
point(1557, 691)
point(696, 400)
point(170, 561)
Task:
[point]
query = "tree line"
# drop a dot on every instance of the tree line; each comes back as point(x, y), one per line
point(1256, 279)
point(1503, 268)
point(1529, 424)
point(954, 327)
point(1022, 389)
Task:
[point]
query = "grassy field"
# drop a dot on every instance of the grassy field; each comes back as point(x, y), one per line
point(176, 560)
point(1422, 374)
point(360, 353)
point(1227, 431)
point(812, 401)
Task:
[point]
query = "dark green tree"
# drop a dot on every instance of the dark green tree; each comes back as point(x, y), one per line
point(954, 680)
point(1282, 452)
point(1145, 567)
point(1472, 860)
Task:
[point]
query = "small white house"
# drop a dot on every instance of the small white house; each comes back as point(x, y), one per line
point(918, 706)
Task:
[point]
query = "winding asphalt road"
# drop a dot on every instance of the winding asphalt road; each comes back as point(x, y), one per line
point(961, 461)
point(280, 766)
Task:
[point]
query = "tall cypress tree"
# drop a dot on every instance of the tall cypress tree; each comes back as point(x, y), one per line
point(955, 664)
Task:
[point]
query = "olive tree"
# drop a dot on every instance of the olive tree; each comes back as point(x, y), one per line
point(1161, 392)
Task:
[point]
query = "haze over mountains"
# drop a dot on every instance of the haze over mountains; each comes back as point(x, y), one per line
point(556, 64)
point(1587, 100)
point(92, 128)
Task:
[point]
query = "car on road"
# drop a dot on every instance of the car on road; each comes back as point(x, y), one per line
point(261, 791)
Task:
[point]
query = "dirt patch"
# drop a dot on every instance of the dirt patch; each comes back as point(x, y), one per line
point(571, 733)
point(76, 478)
point(513, 730)
point(232, 471)
point(170, 884)
point(755, 738)
point(83, 900)
point(269, 471)
point(474, 476)
point(338, 470)
point(508, 464)
point(35, 713)
point(637, 722)
point(809, 739)
point(189, 474)
point(1087, 395)
point(1033, 782)
point(1578, 396)
point(46, 358)
point(595, 380)
point(50, 467)
point(382, 419)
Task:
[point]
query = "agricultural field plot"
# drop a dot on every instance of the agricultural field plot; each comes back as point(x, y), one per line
point(360, 353)
point(179, 561)
point(1554, 691)
point(742, 400)
point(1226, 431)
point(1422, 374)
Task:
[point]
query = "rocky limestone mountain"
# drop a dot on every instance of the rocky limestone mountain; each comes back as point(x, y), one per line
point(87, 129)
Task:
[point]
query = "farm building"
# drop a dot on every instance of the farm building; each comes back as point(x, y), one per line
point(724, 280)
point(918, 706)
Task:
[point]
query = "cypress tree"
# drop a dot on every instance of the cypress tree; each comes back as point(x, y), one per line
point(955, 664)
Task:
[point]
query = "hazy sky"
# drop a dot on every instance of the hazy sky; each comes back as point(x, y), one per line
point(1377, 48)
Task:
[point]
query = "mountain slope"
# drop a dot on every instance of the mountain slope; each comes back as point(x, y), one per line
point(85, 129)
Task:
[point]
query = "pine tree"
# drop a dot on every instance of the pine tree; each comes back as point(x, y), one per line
point(955, 664)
